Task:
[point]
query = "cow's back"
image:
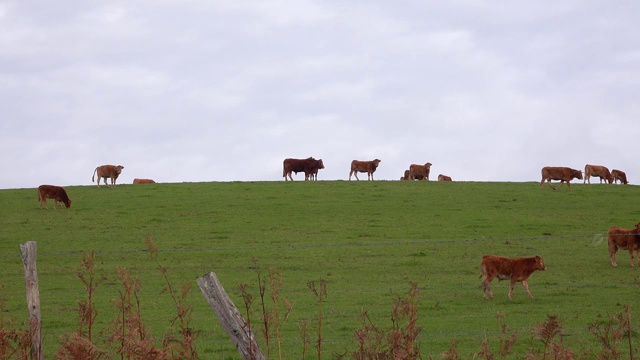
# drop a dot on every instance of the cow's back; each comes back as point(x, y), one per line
point(496, 265)
point(624, 238)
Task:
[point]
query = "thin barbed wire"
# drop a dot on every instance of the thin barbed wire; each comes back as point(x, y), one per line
point(596, 239)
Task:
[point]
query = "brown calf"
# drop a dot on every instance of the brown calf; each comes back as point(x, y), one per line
point(143, 181)
point(619, 175)
point(56, 193)
point(628, 239)
point(515, 269)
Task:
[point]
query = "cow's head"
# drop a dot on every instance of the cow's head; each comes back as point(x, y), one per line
point(119, 169)
point(540, 263)
point(427, 165)
point(577, 174)
point(67, 202)
point(375, 163)
point(320, 164)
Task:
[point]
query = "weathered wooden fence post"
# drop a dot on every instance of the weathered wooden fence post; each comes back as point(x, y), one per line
point(230, 317)
point(29, 254)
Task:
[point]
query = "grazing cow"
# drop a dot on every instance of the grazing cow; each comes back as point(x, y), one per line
point(364, 166)
point(107, 172)
point(624, 239)
point(619, 175)
point(444, 178)
point(309, 166)
point(515, 269)
point(419, 171)
point(56, 193)
point(564, 174)
point(598, 171)
point(143, 181)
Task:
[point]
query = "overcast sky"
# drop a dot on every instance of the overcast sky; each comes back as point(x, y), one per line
point(225, 90)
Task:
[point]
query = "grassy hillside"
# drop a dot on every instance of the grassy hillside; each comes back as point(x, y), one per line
point(367, 240)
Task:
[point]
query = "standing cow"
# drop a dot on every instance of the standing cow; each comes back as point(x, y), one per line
point(309, 166)
point(417, 172)
point(515, 269)
point(364, 166)
point(619, 175)
point(56, 193)
point(598, 171)
point(107, 172)
point(564, 174)
point(628, 239)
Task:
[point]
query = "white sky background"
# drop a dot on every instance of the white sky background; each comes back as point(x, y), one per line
point(225, 90)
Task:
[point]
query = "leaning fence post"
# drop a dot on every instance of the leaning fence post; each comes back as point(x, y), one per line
point(230, 317)
point(28, 251)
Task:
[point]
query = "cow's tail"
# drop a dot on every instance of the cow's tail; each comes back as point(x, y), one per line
point(93, 178)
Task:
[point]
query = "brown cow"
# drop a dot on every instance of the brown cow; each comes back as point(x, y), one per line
point(143, 181)
point(419, 171)
point(56, 193)
point(364, 166)
point(106, 172)
point(444, 178)
point(564, 174)
point(309, 166)
point(624, 239)
point(515, 269)
point(619, 175)
point(598, 171)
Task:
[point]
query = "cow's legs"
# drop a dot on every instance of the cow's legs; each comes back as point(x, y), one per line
point(631, 254)
point(486, 285)
point(526, 287)
point(511, 285)
point(612, 254)
point(549, 182)
point(370, 174)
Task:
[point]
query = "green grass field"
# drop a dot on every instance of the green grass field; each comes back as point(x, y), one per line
point(367, 240)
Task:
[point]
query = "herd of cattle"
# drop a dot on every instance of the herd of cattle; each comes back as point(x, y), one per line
point(514, 269)
point(310, 167)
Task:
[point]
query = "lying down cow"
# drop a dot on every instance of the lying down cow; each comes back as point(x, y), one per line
point(515, 269)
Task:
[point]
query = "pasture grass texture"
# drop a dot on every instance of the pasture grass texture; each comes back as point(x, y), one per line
point(367, 240)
